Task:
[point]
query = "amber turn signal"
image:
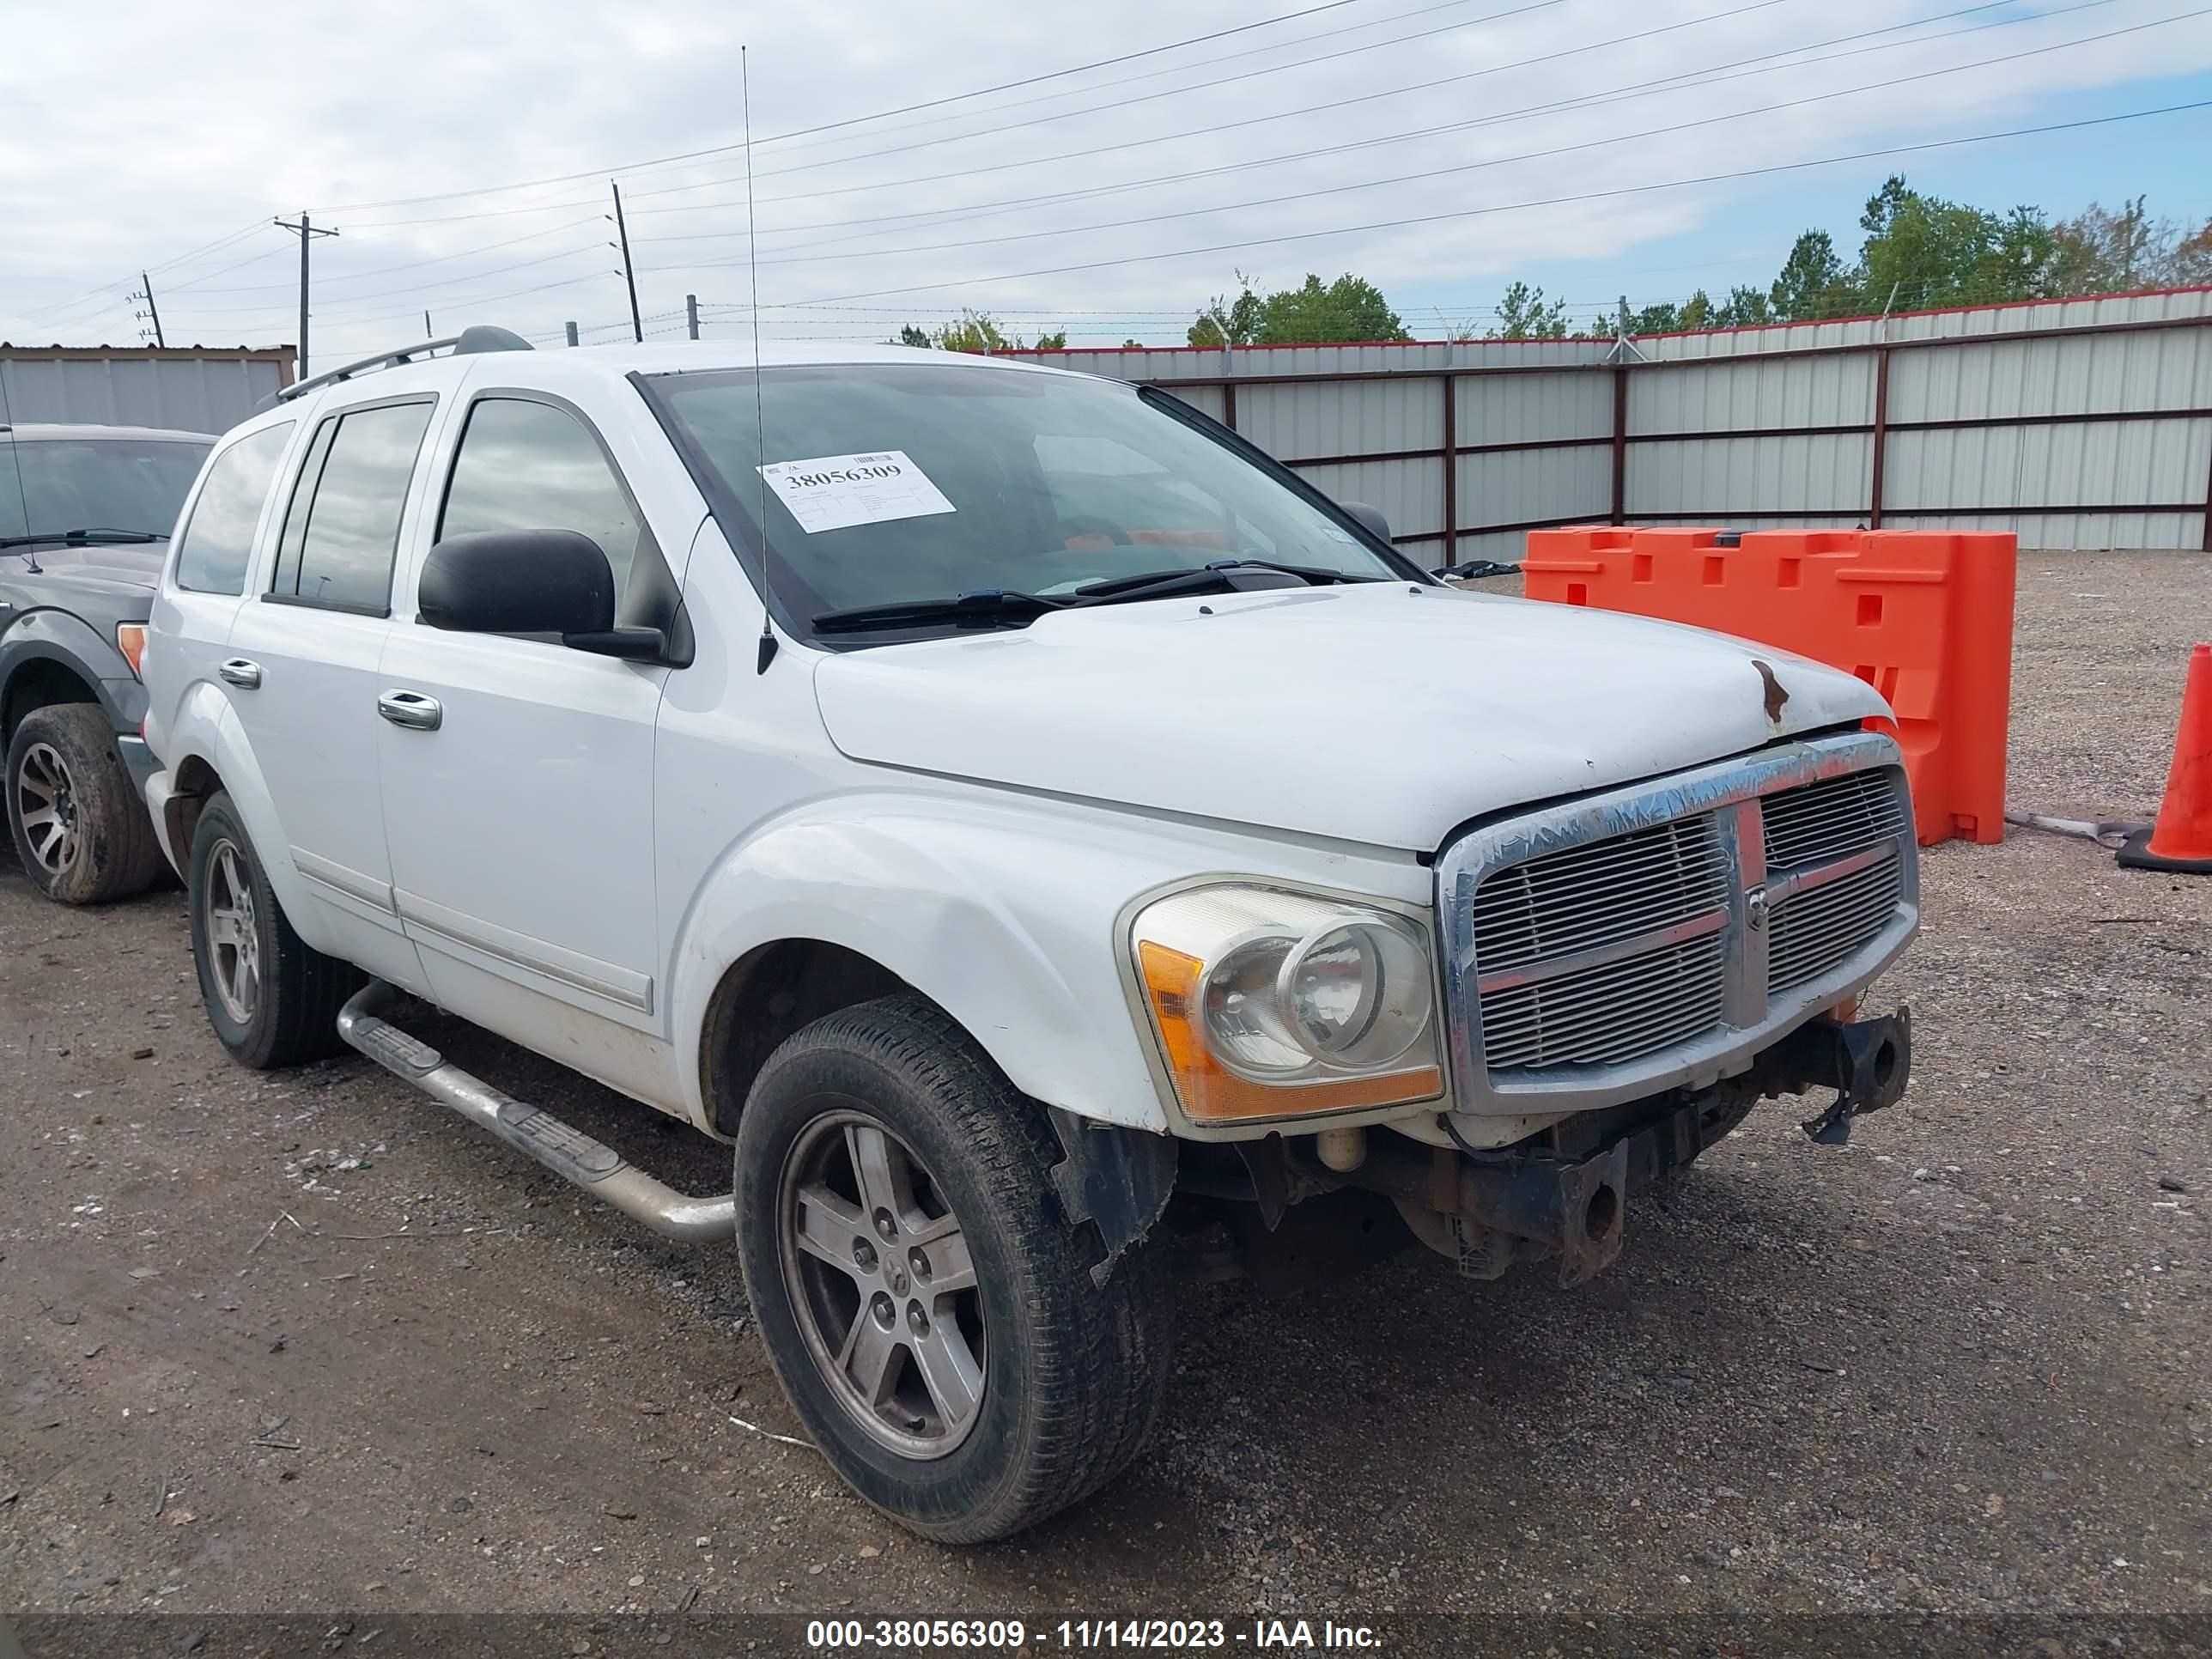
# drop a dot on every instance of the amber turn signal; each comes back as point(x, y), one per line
point(1212, 1093)
point(130, 640)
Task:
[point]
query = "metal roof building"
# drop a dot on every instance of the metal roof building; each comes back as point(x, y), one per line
point(188, 388)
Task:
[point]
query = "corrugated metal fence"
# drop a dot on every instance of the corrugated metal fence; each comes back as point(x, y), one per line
point(191, 389)
point(2073, 423)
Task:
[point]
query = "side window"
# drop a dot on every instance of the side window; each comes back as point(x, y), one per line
point(342, 531)
point(218, 540)
point(525, 465)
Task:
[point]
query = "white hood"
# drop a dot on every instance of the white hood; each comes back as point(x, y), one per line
point(1378, 713)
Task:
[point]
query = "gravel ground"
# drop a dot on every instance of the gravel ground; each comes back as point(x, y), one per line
point(1964, 1364)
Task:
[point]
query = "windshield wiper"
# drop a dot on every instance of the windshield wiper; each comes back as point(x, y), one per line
point(993, 607)
point(987, 607)
point(84, 538)
point(1162, 584)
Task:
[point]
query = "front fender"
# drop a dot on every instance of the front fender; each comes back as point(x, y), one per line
point(1003, 917)
point(205, 727)
point(68, 642)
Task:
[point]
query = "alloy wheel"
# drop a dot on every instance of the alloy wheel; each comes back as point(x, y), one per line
point(47, 804)
point(234, 940)
point(885, 1290)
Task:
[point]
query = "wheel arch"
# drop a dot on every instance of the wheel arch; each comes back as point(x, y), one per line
point(38, 680)
point(193, 782)
point(207, 753)
point(50, 656)
point(975, 909)
point(765, 996)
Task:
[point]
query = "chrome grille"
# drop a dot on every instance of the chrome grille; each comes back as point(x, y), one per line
point(1576, 901)
point(1821, 823)
point(1609, 1013)
point(1817, 931)
point(1581, 954)
point(1817, 924)
point(1603, 948)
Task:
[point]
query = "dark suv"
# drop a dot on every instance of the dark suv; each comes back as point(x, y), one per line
point(85, 516)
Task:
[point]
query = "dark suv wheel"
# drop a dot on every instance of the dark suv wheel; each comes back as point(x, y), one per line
point(932, 1315)
point(79, 827)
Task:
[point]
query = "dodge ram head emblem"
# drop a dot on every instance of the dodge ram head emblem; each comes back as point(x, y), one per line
point(1754, 909)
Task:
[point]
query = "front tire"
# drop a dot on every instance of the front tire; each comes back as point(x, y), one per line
point(79, 826)
point(272, 998)
point(930, 1312)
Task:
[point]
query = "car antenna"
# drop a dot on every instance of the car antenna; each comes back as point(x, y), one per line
point(760, 420)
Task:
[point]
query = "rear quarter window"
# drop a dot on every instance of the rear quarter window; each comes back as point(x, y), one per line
point(218, 540)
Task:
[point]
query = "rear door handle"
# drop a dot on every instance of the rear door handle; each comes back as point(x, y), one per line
point(411, 710)
point(241, 673)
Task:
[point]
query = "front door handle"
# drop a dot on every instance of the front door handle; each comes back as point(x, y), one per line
point(241, 673)
point(411, 710)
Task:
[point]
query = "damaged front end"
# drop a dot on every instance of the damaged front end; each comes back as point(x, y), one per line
point(1564, 1193)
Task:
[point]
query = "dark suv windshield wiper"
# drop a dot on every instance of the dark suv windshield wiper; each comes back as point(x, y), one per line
point(987, 608)
point(84, 538)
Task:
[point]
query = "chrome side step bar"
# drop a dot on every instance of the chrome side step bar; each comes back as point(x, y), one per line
point(568, 1151)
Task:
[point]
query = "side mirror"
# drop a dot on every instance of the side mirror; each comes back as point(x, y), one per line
point(518, 581)
point(1371, 516)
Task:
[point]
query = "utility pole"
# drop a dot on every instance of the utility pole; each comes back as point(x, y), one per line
point(571, 327)
point(153, 311)
point(691, 314)
point(636, 323)
point(306, 232)
point(428, 333)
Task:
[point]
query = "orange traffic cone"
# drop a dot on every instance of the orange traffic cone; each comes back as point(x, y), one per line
point(2181, 840)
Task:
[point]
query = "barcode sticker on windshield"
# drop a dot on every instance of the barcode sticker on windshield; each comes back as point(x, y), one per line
point(834, 492)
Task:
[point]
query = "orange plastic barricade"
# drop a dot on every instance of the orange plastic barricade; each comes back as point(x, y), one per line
point(1923, 617)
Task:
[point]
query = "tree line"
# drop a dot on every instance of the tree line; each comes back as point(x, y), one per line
point(1917, 253)
point(1921, 252)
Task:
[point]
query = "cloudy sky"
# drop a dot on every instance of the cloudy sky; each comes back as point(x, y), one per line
point(1097, 168)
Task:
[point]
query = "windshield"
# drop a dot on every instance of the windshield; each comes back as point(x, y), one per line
point(106, 483)
point(891, 482)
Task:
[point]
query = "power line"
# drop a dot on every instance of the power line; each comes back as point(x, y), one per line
point(1513, 207)
point(1532, 5)
point(382, 294)
point(1191, 133)
point(465, 218)
point(1152, 75)
point(387, 270)
point(857, 120)
point(970, 172)
point(483, 298)
point(1118, 105)
point(1488, 17)
point(1468, 167)
point(1201, 86)
point(107, 289)
point(1684, 81)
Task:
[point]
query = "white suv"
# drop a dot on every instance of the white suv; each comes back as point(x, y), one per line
point(1036, 828)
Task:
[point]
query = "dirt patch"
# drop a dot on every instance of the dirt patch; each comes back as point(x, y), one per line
point(284, 1342)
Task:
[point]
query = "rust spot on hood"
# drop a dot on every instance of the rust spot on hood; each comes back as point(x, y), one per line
point(1776, 696)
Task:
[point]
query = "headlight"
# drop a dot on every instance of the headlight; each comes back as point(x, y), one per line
point(1270, 1004)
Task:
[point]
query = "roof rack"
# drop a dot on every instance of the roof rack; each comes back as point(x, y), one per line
point(481, 337)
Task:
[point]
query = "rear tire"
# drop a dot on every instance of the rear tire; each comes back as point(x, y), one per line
point(937, 1268)
point(82, 833)
point(272, 998)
